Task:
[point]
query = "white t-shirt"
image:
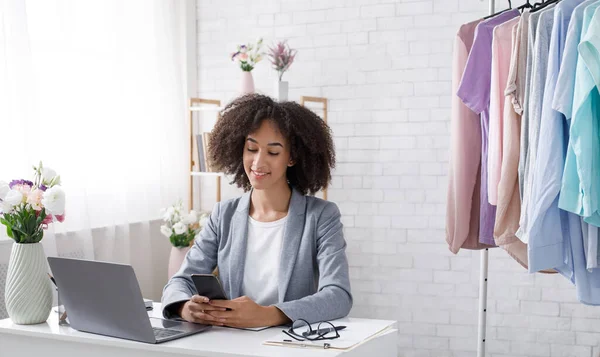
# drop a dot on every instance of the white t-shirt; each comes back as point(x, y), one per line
point(263, 253)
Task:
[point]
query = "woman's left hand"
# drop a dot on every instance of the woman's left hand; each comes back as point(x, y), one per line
point(246, 313)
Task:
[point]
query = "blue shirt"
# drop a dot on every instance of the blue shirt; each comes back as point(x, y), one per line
point(541, 48)
point(579, 192)
point(589, 48)
point(563, 97)
point(587, 282)
point(547, 249)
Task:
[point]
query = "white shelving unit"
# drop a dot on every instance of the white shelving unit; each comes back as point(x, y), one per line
point(202, 105)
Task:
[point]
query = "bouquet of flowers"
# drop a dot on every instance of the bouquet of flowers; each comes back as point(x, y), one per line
point(182, 228)
point(281, 57)
point(27, 207)
point(247, 56)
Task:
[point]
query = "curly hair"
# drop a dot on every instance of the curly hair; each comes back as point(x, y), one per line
point(311, 145)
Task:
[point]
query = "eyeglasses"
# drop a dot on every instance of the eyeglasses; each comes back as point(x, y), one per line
point(302, 331)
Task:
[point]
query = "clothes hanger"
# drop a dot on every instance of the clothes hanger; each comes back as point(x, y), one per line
point(527, 5)
point(540, 5)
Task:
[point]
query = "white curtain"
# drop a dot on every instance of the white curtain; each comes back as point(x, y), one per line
point(96, 90)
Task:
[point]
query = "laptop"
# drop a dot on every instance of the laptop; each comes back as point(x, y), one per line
point(105, 299)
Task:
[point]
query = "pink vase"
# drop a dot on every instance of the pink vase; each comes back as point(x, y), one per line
point(247, 85)
point(176, 258)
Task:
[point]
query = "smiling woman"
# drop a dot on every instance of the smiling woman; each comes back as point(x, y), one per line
point(300, 133)
point(280, 253)
point(266, 161)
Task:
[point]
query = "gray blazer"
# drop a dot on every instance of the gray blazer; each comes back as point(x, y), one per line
point(313, 281)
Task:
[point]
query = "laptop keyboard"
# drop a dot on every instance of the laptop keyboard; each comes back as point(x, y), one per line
point(160, 333)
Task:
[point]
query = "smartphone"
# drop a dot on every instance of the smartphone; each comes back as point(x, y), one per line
point(208, 285)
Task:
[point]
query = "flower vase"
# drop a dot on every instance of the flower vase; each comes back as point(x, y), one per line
point(28, 293)
point(176, 259)
point(247, 85)
point(281, 90)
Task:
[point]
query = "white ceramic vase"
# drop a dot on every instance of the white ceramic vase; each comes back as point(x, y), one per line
point(281, 90)
point(176, 258)
point(247, 84)
point(28, 293)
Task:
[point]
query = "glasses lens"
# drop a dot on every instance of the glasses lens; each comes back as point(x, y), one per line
point(326, 330)
point(301, 327)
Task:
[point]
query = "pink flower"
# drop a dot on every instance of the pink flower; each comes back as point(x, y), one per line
point(35, 199)
point(60, 217)
point(24, 189)
point(282, 57)
point(48, 219)
point(242, 57)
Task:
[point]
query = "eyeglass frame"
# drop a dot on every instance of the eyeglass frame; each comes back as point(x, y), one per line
point(320, 337)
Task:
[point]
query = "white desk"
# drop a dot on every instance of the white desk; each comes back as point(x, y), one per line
point(51, 340)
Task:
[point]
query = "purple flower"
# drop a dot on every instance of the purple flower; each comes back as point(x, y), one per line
point(20, 182)
point(282, 57)
point(43, 188)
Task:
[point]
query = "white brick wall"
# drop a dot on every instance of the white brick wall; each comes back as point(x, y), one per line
point(385, 67)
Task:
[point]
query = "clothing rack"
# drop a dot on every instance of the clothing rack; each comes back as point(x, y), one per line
point(483, 276)
point(483, 270)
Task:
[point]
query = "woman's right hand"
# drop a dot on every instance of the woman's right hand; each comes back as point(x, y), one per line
point(197, 310)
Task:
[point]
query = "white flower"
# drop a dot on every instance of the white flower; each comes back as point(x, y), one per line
point(54, 200)
point(4, 188)
point(13, 198)
point(179, 228)
point(166, 231)
point(169, 213)
point(48, 174)
point(190, 218)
